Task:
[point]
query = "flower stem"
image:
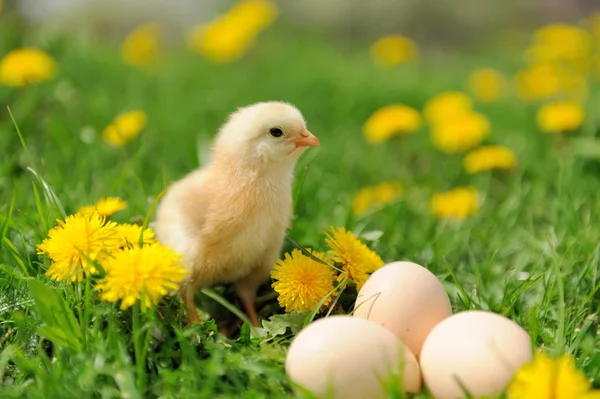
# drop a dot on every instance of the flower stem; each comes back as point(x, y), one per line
point(86, 306)
point(77, 290)
point(138, 349)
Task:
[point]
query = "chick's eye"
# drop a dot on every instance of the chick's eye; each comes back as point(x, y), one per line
point(275, 132)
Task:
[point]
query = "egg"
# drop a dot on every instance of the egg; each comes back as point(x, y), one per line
point(405, 298)
point(482, 349)
point(345, 357)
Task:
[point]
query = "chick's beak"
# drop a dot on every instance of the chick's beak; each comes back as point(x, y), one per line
point(306, 139)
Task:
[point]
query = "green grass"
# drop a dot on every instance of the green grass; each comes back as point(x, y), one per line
point(542, 220)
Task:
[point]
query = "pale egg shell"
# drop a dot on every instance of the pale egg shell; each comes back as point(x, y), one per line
point(482, 349)
point(405, 298)
point(346, 357)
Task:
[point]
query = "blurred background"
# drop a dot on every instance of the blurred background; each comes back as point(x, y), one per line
point(431, 22)
point(110, 69)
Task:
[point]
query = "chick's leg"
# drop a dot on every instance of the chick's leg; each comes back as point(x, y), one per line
point(187, 296)
point(247, 295)
point(247, 288)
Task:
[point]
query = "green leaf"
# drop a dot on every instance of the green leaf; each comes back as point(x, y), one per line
point(278, 325)
point(125, 380)
point(586, 147)
point(275, 327)
point(294, 321)
point(372, 235)
point(61, 326)
point(5, 357)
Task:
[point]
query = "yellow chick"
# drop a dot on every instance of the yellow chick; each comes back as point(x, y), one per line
point(228, 218)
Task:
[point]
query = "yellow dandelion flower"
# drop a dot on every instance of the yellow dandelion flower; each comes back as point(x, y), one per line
point(362, 200)
point(458, 203)
point(548, 53)
point(538, 82)
point(387, 191)
point(547, 378)
point(124, 128)
point(129, 234)
point(74, 244)
point(394, 50)
point(562, 42)
point(488, 158)
point(447, 105)
point(26, 66)
point(105, 206)
point(255, 15)
point(544, 81)
point(141, 47)
point(151, 270)
point(220, 42)
point(460, 133)
point(229, 36)
point(357, 260)
point(302, 282)
point(561, 116)
point(487, 84)
point(395, 119)
point(380, 194)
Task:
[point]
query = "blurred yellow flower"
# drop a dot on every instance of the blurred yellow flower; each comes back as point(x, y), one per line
point(548, 54)
point(254, 14)
point(227, 37)
point(26, 66)
point(593, 24)
point(379, 194)
point(141, 47)
point(549, 378)
point(124, 128)
point(357, 260)
point(447, 105)
point(387, 191)
point(394, 50)
point(73, 246)
point(461, 133)
point(538, 82)
point(487, 84)
point(544, 81)
point(129, 235)
point(362, 200)
point(561, 42)
point(302, 282)
point(488, 158)
point(105, 207)
point(151, 270)
point(560, 116)
point(458, 203)
point(391, 120)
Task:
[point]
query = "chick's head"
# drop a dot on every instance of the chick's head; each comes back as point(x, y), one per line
point(265, 132)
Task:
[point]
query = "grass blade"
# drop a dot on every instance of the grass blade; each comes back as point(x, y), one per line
point(4, 228)
point(227, 305)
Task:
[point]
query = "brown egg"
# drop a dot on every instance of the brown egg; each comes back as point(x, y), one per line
point(346, 357)
point(405, 298)
point(481, 349)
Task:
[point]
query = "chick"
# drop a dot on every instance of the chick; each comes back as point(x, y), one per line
point(228, 218)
